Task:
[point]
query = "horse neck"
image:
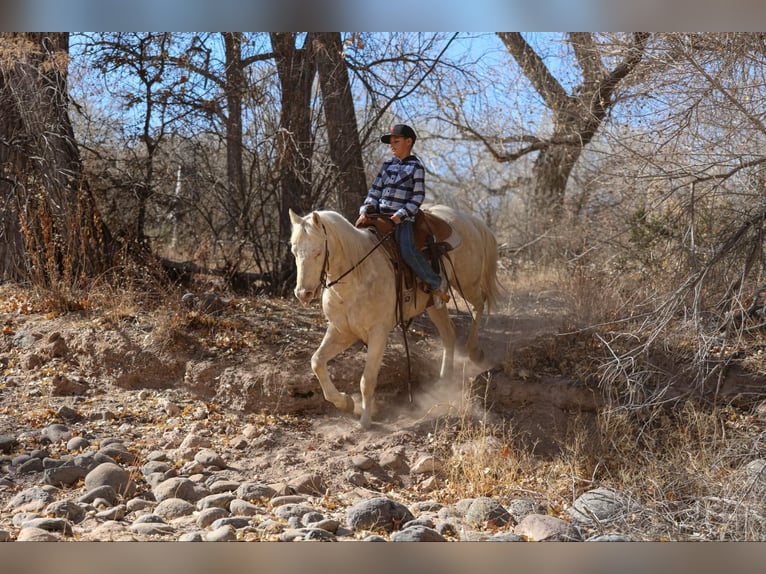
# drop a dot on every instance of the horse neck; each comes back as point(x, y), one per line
point(347, 246)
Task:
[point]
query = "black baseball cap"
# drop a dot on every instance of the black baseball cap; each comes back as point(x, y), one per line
point(399, 130)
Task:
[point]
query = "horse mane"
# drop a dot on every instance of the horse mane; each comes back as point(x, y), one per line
point(353, 243)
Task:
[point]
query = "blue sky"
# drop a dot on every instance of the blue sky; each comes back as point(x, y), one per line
point(421, 15)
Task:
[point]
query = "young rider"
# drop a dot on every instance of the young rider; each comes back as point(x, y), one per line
point(398, 191)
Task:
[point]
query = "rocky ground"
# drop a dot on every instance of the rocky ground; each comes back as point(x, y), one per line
point(205, 424)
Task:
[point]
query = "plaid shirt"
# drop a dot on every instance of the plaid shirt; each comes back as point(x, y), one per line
point(399, 188)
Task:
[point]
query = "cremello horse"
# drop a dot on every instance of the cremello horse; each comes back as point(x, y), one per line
point(362, 305)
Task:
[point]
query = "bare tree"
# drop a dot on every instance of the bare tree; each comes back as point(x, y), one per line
point(342, 131)
point(576, 116)
point(52, 232)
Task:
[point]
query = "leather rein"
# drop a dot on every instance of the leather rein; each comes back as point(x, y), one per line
point(326, 263)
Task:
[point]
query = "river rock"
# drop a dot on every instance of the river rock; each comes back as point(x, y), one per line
point(110, 474)
point(539, 527)
point(378, 513)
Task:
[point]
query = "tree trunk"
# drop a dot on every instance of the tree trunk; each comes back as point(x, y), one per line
point(53, 234)
point(234, 89)
point(296, 71)
point(576, 118)
point(342, 131)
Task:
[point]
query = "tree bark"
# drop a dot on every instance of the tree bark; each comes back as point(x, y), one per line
point(234, 89)
point(342, 130)
point(52, 232)
point(296, 71)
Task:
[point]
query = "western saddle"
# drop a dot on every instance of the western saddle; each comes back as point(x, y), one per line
point(432, 234)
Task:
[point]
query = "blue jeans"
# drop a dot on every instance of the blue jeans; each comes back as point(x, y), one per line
point(405, 237)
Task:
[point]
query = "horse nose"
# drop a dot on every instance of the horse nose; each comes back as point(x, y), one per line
point(304, 295)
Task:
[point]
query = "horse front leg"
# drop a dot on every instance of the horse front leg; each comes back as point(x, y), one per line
point(332, 345)
point(376, 345)
point(440, 318)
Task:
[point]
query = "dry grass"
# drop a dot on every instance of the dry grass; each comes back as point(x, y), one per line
point(669, 439)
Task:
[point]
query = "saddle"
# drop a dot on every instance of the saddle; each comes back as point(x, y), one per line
point(433, 238)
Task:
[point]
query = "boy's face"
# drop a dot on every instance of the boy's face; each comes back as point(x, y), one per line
point(400, 146)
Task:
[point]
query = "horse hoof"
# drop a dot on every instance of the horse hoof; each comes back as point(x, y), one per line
point(350, 405)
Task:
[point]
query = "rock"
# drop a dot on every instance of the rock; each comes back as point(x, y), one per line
point(378, 513)
point(329, 524)
point(215, 500)
point(66, 509)
point(7, 443)
point(235, 522)
point(172, 508)
point(447, 528)
point(178, 487)
point(309, 483)
point(156, 466)
point(32, 534)
point(30, 500)
point(56, 432)
point(191, 537)
point(287, 499)
point(152, 529)
point(138, 504)
point(105, 492)
point(114, 513)
point(65, 475)
point(426, 465)
point(58, 525)
point(241, 507)
point(292, 510)
point(77, 443)
point(486, 512)
point(417, 533)
point(395, 461)
point(111, 531)
point(293, 534)
point(539, 527)
point(208, 457)
point(311, 518)
point(63, 386)
point(31, 465)
point(110, 474)
point(208, 516)
point(521, 507)
point(505, 537)
point(597, 506)
point(221, 486)
point(195, 441)
point(224, 533)
point(362, 462)
point(119, 453)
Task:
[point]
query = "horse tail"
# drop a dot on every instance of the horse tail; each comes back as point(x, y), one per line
point(490, 285)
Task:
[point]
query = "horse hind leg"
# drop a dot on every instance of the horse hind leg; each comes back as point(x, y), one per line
point(332, 345)
point(440, 318)
point(475, 353)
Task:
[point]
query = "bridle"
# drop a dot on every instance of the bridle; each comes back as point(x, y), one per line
point(326, 263)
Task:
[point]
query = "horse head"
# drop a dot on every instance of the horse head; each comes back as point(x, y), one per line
point(308, 244)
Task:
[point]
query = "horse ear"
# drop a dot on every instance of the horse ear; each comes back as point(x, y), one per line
point(315, 219)
point(294, 217)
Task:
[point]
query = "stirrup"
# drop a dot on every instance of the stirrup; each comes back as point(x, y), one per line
point(440, 294)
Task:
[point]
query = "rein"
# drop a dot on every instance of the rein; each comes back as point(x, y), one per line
point(326, 264)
